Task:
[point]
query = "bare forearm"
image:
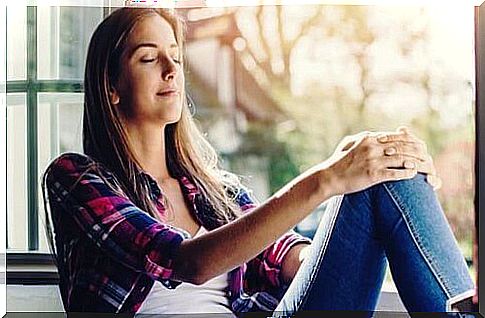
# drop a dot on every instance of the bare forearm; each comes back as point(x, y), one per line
point(227, 247)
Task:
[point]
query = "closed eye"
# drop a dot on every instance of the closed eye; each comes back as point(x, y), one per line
point(175, 60)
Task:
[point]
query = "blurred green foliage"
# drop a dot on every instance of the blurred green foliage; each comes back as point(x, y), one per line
point(327, 108)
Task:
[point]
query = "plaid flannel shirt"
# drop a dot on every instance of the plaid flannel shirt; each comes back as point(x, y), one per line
point(110, 252)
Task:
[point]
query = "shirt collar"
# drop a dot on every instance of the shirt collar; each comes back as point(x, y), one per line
point(189, 188)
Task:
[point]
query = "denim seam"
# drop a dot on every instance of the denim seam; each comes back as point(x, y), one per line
point(427, 258)
point(321, 252)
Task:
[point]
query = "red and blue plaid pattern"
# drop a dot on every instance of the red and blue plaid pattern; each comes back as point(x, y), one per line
point(109, 252)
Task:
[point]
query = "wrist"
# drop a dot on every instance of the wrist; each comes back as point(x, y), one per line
point(328, 186)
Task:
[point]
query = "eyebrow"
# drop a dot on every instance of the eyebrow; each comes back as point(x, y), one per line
point(152, 45)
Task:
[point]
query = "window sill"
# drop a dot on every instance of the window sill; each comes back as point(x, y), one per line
point(31, 269)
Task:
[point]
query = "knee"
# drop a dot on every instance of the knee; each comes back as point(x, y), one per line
point(412, 193)
point(415, 188)
point(416, 184)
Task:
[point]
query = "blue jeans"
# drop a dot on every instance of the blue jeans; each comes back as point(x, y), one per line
point(400, 223)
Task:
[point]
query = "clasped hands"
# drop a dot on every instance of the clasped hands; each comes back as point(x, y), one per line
point(399, 150)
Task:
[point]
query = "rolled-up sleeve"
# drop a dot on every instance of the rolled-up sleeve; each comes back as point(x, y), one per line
point(264, 271)
point(108, 218)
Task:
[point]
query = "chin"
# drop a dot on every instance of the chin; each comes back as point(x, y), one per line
point(172, 122)
point(169, 113)
point(171, 119)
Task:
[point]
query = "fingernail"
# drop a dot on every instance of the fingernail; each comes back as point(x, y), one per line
point(390, 151)
point(382, 138)
point(409, 165)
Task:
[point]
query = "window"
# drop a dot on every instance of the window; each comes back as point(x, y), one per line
point(44, 105)
point(45, 66)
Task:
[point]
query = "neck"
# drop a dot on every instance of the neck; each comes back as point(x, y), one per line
point(148, 144)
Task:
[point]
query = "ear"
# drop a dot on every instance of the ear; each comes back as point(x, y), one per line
point(114, 97)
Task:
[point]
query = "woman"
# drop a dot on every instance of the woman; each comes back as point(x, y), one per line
point(146, 222)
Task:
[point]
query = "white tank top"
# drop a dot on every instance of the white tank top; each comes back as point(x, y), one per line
point(189, 298)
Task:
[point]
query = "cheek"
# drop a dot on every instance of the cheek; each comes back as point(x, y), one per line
point(181, 85)
point(181, 80)
point(128, 87)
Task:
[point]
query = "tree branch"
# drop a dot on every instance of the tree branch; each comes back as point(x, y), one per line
point(305, 27)
point(260, 19)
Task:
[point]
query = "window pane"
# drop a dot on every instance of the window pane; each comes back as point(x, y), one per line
point(16, 42)
point(63, 38)
point(16, 172)
point(60, 127)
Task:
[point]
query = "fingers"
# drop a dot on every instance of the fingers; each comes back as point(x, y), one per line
point(400, 163)
point(398, 167)
point(397, 162)
point(374, 149)
point(403, 142)
point(403, 151)
point(410, 149)
point(434, 181)
point(397, 174)
point(417, 149)
point(403, 135)
point(427, 166)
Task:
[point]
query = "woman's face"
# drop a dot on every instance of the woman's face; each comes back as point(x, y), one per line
point(151, 83)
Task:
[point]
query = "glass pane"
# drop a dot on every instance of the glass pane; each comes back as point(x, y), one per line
point(63, 38)
point(60, 128)
point(16, 42)
point(16, 172)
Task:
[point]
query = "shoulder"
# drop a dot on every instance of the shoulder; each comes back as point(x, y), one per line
point(76, 175)
point(71, 165)
point(71, 160)
point(75, 161)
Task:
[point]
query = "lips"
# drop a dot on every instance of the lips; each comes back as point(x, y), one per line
point(168, 92)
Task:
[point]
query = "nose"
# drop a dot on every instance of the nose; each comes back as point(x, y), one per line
point(170, 69)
